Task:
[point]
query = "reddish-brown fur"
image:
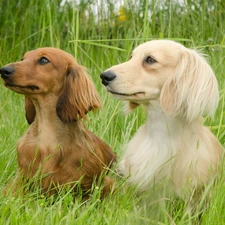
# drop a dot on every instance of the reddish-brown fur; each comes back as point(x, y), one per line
point(57, 147)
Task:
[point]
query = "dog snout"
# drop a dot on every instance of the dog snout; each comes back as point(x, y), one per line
point(6, 71)
point(107, 77)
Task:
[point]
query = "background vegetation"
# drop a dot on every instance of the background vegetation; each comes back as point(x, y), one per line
point(100, 34)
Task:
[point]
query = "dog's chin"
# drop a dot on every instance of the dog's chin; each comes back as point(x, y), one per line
point(136, 98)
point(126, 96)
point(20, 88)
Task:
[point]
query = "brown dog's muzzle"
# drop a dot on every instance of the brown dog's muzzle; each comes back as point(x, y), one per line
point(6, 72)
point(7, 75)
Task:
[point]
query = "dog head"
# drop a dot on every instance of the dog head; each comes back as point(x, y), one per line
point(164, 70)
point(54, 74)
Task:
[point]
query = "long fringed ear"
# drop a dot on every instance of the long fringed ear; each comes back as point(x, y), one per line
point(191, 90)
point(78, 96)
point(30, 110)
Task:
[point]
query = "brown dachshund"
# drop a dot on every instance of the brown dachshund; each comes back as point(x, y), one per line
point(57, 148)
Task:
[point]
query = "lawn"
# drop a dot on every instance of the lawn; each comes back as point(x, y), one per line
point(100, 34)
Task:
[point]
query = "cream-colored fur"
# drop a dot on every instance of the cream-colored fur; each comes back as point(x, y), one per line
point(176, 86)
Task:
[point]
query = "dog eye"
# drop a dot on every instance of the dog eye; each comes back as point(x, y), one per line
point(150, 60)
point(43, 61)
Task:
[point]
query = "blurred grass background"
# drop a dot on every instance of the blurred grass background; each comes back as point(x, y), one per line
point(99, 34)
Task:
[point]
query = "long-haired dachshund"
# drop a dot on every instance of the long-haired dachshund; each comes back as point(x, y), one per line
point(176, 86)
point(57, 148)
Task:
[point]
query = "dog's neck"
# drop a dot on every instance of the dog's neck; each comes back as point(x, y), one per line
point(158, 123)
point(47, 119)
point(153, 147)
point(45, 114)
point(48, 132)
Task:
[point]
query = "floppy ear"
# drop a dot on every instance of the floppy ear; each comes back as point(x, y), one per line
point(78, 96)
point(30, 110)
point(191, 90)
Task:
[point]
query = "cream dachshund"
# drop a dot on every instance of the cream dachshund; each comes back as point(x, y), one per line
point(176, 86)
point(57, 150)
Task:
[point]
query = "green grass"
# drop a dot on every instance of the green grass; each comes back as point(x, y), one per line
point(98, 41)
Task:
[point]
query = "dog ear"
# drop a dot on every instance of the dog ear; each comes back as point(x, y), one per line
point(30, 110)
point(192, 89)
point(78, 96)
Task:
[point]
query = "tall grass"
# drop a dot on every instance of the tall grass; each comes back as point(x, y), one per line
point(100, 34)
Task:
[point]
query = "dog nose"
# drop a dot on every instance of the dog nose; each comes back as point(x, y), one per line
point(6, 71)
point(107, 77)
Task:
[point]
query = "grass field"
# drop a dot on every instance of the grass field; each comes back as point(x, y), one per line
point(100, 34)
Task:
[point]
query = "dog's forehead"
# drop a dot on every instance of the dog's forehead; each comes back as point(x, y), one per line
point(53, 54)
point(157, 47)
point(44, 52)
